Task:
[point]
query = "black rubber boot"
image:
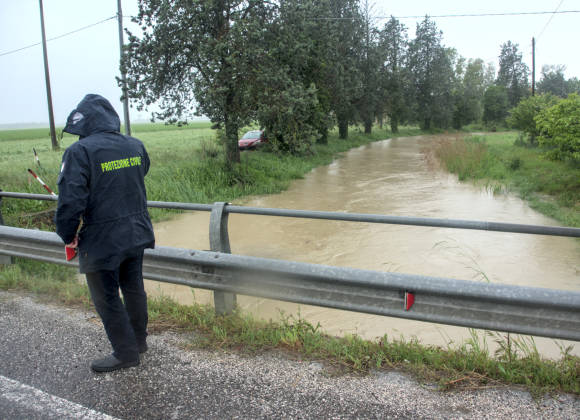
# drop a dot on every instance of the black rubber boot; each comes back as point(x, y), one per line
point(111, 363)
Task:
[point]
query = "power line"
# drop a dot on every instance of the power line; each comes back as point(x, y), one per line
point(460, 15)
point(487, 14)
point(549, 20)
point(59, 36)
point(332, 18)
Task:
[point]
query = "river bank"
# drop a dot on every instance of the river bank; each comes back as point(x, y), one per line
point(297, 334)
point(388, 177)
point(501, 164)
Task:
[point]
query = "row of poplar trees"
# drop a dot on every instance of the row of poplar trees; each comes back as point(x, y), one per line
point(299, 68)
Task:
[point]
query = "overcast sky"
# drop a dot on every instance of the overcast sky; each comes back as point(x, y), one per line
point(87, 61)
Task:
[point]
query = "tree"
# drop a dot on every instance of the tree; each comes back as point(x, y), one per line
point(523, 115)
point(285, 91)
point(553, 81)
point(559, 127)
point(302, 46)
point(393, 43)
point(573, 85)
point(431, 74)
point(489, 78)
point(198, 57)
point(472, 79)
point(369, 64)
point(513, 73)
point(287, 114)
point(320, 44)
point(495, 105)
point(344, 25)
point(458, 94)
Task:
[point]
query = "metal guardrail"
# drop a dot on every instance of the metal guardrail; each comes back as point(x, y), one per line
point(525, 310)
point(349, 217)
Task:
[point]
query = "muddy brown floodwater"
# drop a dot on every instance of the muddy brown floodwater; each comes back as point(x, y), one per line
point(390, 177)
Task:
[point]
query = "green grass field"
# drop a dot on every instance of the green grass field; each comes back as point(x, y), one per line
point(186, 166)
point(169, 146)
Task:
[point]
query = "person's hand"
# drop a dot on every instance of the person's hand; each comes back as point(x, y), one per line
point(74, 244)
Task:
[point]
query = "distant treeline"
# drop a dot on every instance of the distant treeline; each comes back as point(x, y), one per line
point(302, 67)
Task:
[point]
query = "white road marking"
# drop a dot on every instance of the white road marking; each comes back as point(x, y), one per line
point(50, 405)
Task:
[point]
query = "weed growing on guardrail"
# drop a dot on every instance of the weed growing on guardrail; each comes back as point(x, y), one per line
point(459, 251)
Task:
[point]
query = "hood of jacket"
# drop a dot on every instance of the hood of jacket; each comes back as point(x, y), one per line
point(94, 114)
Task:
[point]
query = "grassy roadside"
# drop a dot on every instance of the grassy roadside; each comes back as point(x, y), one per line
point(469, 366)
point(552, 188)
point(186, 169)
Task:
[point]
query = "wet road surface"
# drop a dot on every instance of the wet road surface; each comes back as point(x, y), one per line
point(44, 374)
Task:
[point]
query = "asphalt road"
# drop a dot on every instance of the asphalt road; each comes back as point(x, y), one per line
point(44, 374)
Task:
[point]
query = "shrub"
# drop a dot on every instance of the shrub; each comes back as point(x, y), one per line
point(522, 116)
point(514, 163)
point(559, 128)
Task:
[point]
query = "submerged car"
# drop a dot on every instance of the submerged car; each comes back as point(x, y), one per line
point(251, 139)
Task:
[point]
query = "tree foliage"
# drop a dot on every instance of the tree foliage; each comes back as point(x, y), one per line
point(513, 73)
point(393, 78)
point(522, 117)
point(471, 84)
point(345, 25)
point(559, 128)
point(431, 76)
point(285, 93)
point(553, 81)
point(198, 57)
point(299, 68)
point(369, 65)
point(495, 105)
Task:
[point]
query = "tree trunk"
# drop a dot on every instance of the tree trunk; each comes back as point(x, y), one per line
point(323, 136)
point(231, 125)
point(342, 129)
point(394, 125)
point(368, 127)
point(232, 151)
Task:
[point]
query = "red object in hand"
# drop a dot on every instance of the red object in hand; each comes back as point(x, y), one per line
point(70, 253)
point(409, 300)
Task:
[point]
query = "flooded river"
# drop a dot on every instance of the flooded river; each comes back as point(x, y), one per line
point(391, 177)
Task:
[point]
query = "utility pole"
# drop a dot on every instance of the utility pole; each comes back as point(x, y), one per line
point(47, 78)
point(533, 66)
point(123, 73)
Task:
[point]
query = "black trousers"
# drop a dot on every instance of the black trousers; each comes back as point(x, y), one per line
point(125, 321)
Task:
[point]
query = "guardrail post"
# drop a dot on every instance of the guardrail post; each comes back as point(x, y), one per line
point(219, 241)
point(4, 259)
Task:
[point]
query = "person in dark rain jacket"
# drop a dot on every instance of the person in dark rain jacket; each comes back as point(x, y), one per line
point(102, 190)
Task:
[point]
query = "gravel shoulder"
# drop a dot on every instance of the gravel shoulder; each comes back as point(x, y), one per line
point(50, 348)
